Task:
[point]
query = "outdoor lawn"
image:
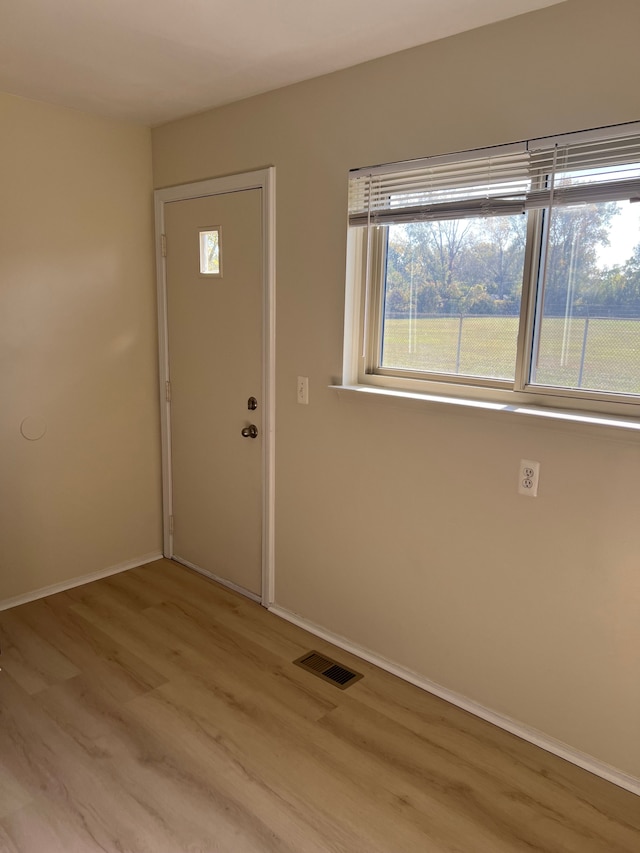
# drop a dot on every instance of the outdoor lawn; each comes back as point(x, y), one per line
point(589, 353)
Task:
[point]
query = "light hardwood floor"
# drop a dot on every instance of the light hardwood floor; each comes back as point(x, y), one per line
point(157, 712)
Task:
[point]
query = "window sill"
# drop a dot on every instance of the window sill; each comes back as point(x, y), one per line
point(618, 426)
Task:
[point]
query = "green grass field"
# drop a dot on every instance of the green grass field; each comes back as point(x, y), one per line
point(486, 347)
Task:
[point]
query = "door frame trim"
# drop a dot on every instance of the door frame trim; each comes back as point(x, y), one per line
point(263, 179)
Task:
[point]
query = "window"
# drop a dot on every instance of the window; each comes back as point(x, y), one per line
point(511, 273)
point(210, 252)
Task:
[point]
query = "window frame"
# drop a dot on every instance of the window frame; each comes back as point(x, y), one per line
point(209, 229)
point(366, 274)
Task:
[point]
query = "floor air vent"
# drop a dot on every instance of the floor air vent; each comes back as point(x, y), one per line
point(328, 669)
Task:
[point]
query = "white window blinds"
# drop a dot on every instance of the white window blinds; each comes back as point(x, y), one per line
point(579, 168)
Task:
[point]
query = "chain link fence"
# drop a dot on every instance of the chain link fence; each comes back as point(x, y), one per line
point(594, 348)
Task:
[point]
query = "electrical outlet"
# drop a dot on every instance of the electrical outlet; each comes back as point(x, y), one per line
point(528, 476)
point(303, 390)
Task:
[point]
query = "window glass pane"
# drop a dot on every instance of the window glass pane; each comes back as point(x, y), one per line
point(210, 252)
point(452, 296)
point(588, 328)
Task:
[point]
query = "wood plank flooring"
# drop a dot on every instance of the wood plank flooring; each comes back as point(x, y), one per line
point(157, 712)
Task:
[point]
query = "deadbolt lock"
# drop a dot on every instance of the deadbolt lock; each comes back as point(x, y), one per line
point(252, 404)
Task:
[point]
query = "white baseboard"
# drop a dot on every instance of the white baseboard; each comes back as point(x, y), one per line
point(556, 747)
point(78, 581)
point(234, 586)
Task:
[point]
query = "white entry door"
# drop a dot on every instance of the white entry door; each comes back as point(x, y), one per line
point(214, 292)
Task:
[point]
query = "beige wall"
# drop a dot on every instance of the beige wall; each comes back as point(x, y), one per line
point(77, 326)
point(402, 530)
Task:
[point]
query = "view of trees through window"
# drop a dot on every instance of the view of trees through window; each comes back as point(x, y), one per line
point(210, 252)
point(453, 291)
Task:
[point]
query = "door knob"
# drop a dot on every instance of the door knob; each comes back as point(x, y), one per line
point(250, 432)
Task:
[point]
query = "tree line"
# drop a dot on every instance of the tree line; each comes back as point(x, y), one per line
point(475, 266)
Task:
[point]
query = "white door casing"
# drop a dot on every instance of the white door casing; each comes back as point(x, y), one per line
point(263, 180)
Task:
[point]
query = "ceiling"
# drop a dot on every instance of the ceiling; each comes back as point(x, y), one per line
point(151, 61)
